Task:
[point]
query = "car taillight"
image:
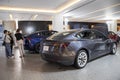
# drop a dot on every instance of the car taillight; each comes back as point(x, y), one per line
point(28, 38)
point(64, 45)
point(56, 44)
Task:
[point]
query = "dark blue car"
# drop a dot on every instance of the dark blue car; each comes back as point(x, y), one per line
point(32, 41)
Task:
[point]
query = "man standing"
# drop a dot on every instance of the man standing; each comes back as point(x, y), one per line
point(7, 40)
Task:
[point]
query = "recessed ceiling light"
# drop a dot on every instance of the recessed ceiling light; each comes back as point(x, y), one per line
point(11, 16)
point(34, 17)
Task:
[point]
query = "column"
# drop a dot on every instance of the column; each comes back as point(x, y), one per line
point(57, 22)
point(112, 25)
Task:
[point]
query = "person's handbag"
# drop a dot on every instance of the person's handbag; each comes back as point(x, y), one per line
point(3, 43)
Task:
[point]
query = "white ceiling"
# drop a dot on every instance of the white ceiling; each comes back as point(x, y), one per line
point(37, 7)
point(96, 10)
point(39, 4)
point(84, 10)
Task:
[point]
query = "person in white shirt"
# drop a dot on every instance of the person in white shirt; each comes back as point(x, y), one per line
point(7, 41)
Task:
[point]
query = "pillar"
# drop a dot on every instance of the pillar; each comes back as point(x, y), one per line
point(57, 22)
point(112, 25)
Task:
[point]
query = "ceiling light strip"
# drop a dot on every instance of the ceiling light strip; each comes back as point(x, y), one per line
point(39, 10)
point(81, 5)
point(11, 16)
point(67, 5)
point(25, 9)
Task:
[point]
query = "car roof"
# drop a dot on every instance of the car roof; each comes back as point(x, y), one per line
point(41, 31)
point(44, 31)
point(79, 30)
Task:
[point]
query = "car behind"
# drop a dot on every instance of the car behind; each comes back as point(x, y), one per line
point(32, 41)
point(113, 36)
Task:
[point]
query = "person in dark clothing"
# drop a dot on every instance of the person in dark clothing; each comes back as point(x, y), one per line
point(11, 42)
point(19, 40)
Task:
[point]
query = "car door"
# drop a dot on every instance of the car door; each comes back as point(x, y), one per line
point(101, 44)
point(94, 41)
point(88, 41)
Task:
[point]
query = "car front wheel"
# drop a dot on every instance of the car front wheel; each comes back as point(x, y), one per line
point(81, 59)
point(37, 47)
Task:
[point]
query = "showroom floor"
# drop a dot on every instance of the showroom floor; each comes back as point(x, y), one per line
point(32, 67)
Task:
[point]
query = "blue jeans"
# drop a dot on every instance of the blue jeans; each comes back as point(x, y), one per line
point(8, 49)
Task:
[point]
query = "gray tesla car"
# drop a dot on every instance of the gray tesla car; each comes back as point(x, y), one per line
point(76, 47)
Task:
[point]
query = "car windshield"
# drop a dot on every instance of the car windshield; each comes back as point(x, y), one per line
point(61, 35)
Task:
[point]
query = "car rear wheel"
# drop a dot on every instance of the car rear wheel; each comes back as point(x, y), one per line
point(37, 47)
point(81, 59)
point(114, 49)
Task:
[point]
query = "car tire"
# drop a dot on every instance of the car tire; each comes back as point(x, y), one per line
point(114, 48)
point(37, 47)
point(81, 59)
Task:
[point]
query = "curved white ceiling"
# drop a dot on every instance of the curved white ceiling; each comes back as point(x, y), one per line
point(81, 10)
point(39, 4)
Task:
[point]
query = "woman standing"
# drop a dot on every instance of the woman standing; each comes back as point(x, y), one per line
point(7, 40)
point(19, 39)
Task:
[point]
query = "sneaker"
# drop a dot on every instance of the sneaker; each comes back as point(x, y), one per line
point(8, 57)
point(12, 54)
point(12, 57)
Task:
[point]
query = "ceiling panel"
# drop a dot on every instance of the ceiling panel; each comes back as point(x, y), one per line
point(85, 10)
point(39, 4)
point(25, 16)
point(93, 6)
point(94, 9)
point(108, 13)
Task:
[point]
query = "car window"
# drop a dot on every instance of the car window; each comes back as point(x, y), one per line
point(91, 34)
point(33, 35)
point(112, 33)
point(86, 35)
point(36, 35)
point(45, 33)
point(100, 36)
point(61, 34)
point(52, 32)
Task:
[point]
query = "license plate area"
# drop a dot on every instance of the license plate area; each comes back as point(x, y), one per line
point(45, 48)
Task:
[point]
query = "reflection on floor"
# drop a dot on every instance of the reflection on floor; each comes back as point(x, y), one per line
point(32, 67)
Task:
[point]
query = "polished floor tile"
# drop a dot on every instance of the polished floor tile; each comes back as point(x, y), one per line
point(32, 67)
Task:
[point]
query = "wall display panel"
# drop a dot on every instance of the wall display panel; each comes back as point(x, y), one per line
point(29, 27)
point(88, 25)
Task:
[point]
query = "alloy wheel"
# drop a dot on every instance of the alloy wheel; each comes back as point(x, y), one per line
point(81, 59)
point(114, 48)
